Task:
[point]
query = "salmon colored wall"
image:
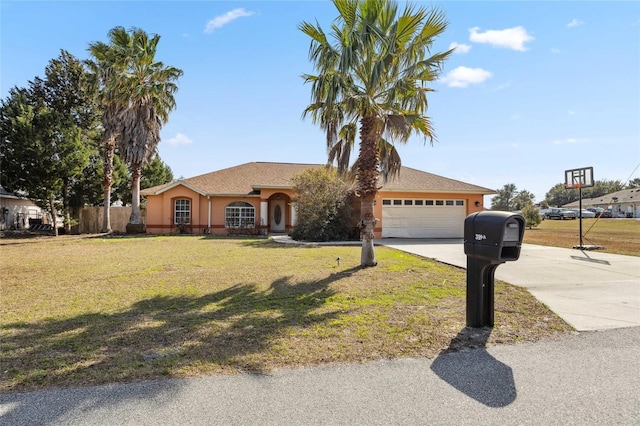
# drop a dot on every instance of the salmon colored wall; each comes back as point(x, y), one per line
point(159, 216)
point(266, 193)
point(160, 211)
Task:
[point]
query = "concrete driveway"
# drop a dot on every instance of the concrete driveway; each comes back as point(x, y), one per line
point(590, 290)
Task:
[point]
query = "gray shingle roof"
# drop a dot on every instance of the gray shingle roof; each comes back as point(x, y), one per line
point(246, 178)
point(624, 196)
point(417, 180)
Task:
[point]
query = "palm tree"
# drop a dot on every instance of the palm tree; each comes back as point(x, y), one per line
point(103, 72)
point(374, 75)
point(139, 97)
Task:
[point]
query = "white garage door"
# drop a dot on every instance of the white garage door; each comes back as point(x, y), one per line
point(421, 218)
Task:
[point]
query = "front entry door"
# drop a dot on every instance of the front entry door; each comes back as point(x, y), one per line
point(277, 215)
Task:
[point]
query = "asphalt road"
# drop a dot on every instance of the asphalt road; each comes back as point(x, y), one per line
point(590, 378)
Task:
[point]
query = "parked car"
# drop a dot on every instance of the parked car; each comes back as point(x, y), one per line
point(560, 214)
point(596, 210)
point(584, 214)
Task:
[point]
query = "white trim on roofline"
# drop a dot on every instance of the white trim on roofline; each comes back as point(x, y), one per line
point(176, 183)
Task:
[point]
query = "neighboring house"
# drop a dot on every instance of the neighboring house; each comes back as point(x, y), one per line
point(625, 203)
point(259, 195)
point(17, 212)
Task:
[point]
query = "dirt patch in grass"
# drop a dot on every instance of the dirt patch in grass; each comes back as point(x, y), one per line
point(81, 310)
point(619, 236)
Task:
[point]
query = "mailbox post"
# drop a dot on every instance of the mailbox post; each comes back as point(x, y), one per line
point(490, 239)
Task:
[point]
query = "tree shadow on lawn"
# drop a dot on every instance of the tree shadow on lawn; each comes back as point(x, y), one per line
point(231, 330)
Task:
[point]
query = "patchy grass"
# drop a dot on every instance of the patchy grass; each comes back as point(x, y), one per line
point(619, 236)
point(90, 310)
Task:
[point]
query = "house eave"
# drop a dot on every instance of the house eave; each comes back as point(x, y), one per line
point(259, 187)
point(439, 191)
point(227, 195)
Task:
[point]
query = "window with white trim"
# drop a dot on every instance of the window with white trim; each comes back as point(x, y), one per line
point(182, 212)
point(239, 214)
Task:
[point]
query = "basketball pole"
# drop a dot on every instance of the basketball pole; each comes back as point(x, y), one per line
point(580, 207)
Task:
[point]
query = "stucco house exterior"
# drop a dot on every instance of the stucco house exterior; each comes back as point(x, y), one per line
point(17, 212)
point(259, 195)
point(624, 203)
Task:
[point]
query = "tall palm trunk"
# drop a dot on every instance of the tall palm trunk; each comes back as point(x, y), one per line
point(367, 175)
point(136, 216)
point(110, 147)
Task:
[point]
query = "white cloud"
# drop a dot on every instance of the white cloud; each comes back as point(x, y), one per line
point(463, 77)
point(570, 141)
point(179, 139)
point(555, 50)
point(222, 20)
point(574, 23)
point(571, 112)
point(503, 86)
point(511, 38)
point(460, 48)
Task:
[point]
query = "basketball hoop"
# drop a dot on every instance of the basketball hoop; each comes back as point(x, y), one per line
point(578, 179)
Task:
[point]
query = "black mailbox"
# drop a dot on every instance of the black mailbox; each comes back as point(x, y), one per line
point(490, 239)
point(495, 236)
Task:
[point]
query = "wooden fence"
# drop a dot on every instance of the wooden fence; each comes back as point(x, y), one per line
point(90, 219)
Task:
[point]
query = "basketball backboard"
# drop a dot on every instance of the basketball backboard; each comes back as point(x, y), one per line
point(578, 178)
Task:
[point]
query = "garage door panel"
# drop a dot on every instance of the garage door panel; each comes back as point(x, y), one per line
point(423, 222)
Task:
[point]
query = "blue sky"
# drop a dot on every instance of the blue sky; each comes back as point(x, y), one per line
point(533, 89)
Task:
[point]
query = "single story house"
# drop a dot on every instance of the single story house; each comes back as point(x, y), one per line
point(258, 195)
point(624, 203)
point(18, 212)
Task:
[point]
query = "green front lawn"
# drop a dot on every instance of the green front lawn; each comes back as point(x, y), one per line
point(88, 310)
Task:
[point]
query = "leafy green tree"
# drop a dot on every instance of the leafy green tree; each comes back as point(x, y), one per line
point(322, 206)
point(602, 187)
point(510, 199)
point(559, 195)
point(633, 183)
point(155, 173)
point(531, 215)
point(503, 200)
point(89, 189)
point(372, 70)
point(522, 199)
point(48, 135)
point(64, 91)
